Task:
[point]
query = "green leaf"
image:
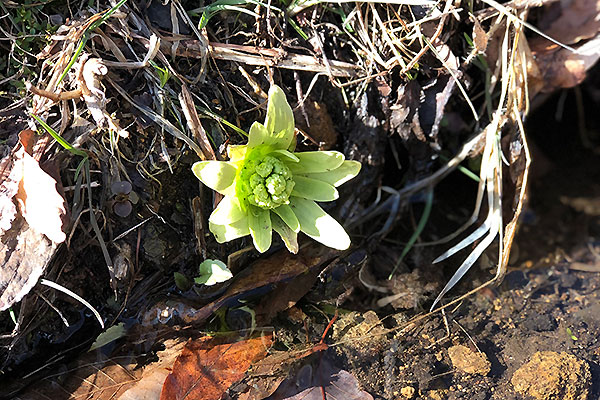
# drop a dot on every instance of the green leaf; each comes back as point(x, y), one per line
point(313, 189)
point(237, 152)
point(86, 34)
point(108, 336)
point(223, 5)
point(258, 135)
point(217, 175)
point(225, 233)
point(317, 161)
point(289, 237)
point(286, 156)
point(319, 225)
point(182, 282)
point(60, 139)
point(280, 119)
point(286, 213)
point(213, 272)
point(342, 174)
point(227, 212)
point(259, 222)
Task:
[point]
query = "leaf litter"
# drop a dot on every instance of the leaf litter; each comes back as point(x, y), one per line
point(31, 231)
point(407, 50)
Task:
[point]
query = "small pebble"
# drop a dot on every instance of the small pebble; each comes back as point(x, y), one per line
point(407, 392)
point(466, 360)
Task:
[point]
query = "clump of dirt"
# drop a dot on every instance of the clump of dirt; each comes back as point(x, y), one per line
point(551, 375)
point(471, 362)
point(407, 392)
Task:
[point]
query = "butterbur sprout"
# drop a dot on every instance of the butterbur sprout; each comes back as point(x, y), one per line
point(268, 187)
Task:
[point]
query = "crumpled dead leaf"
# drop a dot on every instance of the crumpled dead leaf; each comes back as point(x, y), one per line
point(324, 382)
point(206, 368)
point(24, 254)
point(29, 237)
point(92, 91)
point(570, 21)
point(562, 68)
point(94, 376)
point(575, 22)
point(279, 268)
point(39, 202)
point(319, 128)
point(9, 186)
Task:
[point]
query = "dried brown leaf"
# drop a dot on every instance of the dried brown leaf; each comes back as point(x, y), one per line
point(28, 240)
point(9, 186)
point(571, 23)
point(324, 382)
point(191, 115)
point(562, 68)
point(95, 377)
point(319, 127)
point(207, 367)
point(24, 254)
point(39, 202)
point(280, 267)
point(284, 296)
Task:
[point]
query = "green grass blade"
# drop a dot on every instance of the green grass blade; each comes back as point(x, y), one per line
point(417, 232)
point(86, 36)
point(59, 138)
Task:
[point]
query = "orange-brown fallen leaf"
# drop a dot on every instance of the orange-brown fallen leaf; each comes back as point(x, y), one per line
point(206, 368)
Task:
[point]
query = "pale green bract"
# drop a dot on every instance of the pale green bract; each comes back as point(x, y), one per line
point(268, 187)
point(213, 272)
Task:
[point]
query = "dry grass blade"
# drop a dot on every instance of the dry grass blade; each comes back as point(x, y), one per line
point(378, 208)
point(438, 32)
point(298, 7)
point(153, 48)
point(251, 55)
point(70, 293)
point(191, 115)
point(162, 122)
point(517, 21)
point(512, 103)
point(453, 71)
point(490, 170)
point(445, 170)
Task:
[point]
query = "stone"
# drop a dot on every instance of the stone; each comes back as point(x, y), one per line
point(407, 392)
point(550, 375)
point(468, 361)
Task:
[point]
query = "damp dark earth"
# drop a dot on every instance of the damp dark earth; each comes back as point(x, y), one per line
point(453, 149)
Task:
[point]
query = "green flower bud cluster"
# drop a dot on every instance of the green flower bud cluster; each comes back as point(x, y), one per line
point(266, 183)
